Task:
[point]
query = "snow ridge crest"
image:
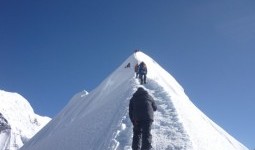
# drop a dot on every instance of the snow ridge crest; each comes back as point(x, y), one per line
point(100, 121)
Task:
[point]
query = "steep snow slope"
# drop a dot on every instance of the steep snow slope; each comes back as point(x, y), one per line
point(99, 120)
point(18, 122)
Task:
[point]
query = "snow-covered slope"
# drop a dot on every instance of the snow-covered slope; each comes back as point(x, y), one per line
point(99, 120)
point(18, 122)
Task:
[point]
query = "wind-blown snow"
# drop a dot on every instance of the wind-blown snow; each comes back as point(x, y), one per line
point(18, 121)
point(99, 120)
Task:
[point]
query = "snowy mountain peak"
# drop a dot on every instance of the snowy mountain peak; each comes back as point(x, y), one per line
point(99, 120)
point(18, 122)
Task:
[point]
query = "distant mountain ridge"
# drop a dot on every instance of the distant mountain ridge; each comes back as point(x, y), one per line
point(18, 122)
point(99, 120)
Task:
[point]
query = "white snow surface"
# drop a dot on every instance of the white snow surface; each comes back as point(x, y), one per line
point(99, 120)
point(23, 122)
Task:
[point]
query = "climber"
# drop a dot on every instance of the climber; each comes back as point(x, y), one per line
point(128, 65)
point(141, 114)
point(137, 50)
point(142, 71)
point(136, 69)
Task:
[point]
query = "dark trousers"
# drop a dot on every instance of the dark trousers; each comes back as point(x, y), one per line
point(142, 135)
point(136, 74)
point(142, 77)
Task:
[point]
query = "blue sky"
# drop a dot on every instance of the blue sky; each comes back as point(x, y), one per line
point(50, 50)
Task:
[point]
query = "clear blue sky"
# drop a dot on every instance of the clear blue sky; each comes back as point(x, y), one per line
point(52, 49)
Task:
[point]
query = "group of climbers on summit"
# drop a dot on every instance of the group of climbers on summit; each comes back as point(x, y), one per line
point(140, 70)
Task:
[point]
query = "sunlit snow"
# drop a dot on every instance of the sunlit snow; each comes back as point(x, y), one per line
point(19, 123)
point(99, 120)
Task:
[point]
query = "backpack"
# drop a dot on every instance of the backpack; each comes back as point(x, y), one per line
point(143, 68)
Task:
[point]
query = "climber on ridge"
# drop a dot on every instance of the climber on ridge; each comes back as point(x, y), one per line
point(141, 114)
point(136, 70)
point(142, 71)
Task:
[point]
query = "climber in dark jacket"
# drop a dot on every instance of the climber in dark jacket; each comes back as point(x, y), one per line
point(142, 71)
point(136, 70)
point(141, 113)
